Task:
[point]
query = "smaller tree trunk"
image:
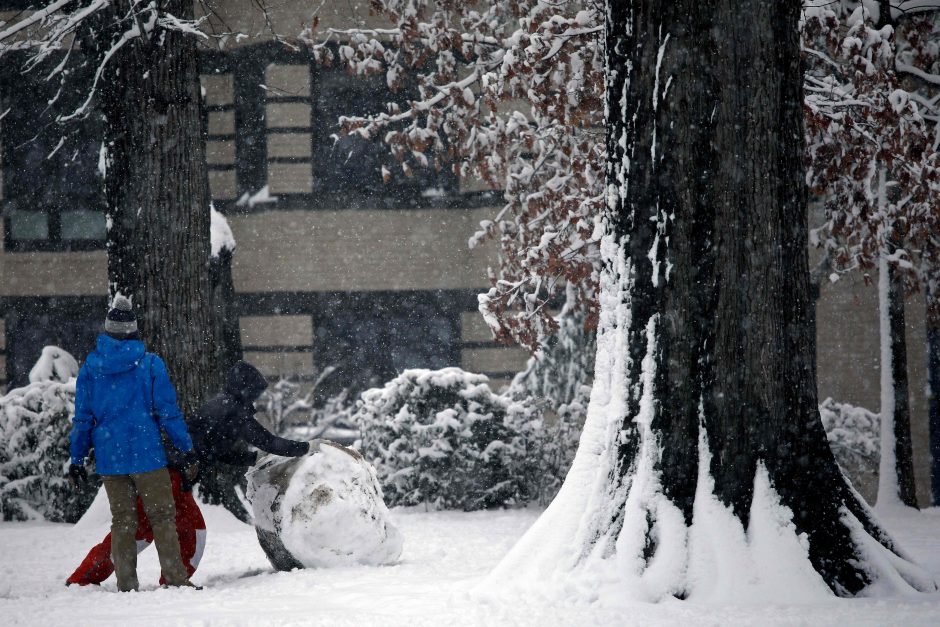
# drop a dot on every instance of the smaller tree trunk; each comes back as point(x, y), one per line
point(227, 336)
point(896, 471)
point(884, 14)
point(933, 397)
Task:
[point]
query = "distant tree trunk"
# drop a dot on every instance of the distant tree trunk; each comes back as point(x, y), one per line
point(227, 341)
point(933, 397)
point(704, 399)
point(896, 470)
point(157, 194)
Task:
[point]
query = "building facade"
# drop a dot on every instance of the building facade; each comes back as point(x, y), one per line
point(333, 265)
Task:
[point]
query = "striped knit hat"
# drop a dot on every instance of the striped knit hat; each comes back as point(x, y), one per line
point(121, 319)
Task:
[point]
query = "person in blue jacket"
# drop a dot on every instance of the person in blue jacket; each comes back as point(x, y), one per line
point(123, 399)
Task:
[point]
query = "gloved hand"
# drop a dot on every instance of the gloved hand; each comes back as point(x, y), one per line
point(191, 466)
point(78, 476)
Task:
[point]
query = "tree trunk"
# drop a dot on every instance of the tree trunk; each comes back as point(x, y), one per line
point(227, 341)
point(896, 470)
point(157, 194)
point(933, 396)
point(703, 431)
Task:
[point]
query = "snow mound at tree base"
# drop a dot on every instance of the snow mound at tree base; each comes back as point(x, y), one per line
point(321, 510)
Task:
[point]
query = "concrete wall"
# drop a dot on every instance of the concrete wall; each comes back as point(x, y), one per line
point(364, 250)
point(53, 274)
point(288, 18)
point(344, 250)
point(310, 251)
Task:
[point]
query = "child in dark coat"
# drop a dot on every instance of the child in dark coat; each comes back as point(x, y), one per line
point(221, 423)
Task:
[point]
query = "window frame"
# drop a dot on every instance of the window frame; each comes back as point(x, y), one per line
point(247, 65)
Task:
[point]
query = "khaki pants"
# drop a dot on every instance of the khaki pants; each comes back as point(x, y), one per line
point(156, 493)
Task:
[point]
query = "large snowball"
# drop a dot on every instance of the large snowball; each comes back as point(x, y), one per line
point(321, 510)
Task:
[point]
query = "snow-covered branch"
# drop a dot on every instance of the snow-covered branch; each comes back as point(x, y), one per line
point(933, 79)
point(863, 123)
point(104, 27)
point(509, 93)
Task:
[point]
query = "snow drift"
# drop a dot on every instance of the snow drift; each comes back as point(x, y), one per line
point(321, 510)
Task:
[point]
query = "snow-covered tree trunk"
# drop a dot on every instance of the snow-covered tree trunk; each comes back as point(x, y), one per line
point(157, 194)
point(896, 468)
point(704, 468)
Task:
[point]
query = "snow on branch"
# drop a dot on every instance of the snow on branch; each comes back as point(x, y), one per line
point(926, 76)
point(102, 26)
point(508, 94)
point(125, 37)
point(872, 153)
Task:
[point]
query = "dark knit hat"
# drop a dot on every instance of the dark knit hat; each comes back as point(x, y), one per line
point(121, 319)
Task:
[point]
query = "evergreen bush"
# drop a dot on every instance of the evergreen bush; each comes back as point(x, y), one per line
point(443, 438)
point(35, 422)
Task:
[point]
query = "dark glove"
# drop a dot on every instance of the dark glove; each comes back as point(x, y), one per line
point(78, 477)
point(191, 466)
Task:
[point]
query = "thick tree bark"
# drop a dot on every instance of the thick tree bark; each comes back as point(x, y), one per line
point(703, 426)
point(158, 201)
point(713, 221)
point(715, 197)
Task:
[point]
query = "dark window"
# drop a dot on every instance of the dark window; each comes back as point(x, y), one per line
point(30, 326)
point(353, 164)
point(52, 194)
point(346, 172)
point(369, 341)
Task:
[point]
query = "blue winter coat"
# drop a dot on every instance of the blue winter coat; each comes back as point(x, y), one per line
point(123, 397)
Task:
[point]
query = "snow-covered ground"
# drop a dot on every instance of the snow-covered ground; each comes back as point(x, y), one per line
point(446, 555)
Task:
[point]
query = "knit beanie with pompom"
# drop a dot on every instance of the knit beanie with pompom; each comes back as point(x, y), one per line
point(121, 319)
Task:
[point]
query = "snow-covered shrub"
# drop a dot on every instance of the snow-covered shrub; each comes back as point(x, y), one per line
point(35, 421)
point(562, 369)
point(445, 439)
point(54, 364)
point(548, 437)
point(290, 401)
point(557, 379)
point(855, 438)
point(333, 420)
point(280, 402)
